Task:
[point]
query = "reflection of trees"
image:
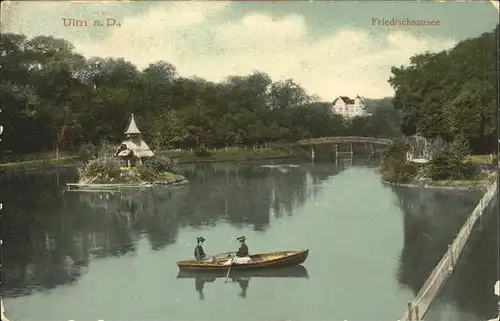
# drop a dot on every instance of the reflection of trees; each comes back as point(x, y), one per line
point(245, 195)
point(471, 284)
point(35, 252)
point(432, 218)
point(52, 235)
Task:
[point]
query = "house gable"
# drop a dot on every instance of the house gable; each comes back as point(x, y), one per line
point(348, 107)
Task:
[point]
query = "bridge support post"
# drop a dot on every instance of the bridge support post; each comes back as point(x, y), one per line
point(313, 154)
point(336, 154)
point(352, 154)
point(410, 312)
point(373, 150)
point(451, 258)
point(480, 218)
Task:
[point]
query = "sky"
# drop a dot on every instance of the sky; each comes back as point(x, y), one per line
point(330, 48)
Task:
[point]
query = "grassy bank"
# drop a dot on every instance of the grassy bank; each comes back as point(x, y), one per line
point(15, 158)
point(48, 159)
point(233, 154)
point(481, 159)
point(479, 181)
point(473, 172)
point(40, 163)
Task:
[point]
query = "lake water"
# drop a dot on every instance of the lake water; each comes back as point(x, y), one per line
point(99, 256)
point(468, 294)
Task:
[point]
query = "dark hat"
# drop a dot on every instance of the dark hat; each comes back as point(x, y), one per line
point(201, 239)
point(241, 239)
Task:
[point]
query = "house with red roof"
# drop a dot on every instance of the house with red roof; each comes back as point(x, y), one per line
point(349, 108)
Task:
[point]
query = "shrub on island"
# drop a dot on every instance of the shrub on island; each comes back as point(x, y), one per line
point(449, 163)
point(394, 167)
point(108, 170)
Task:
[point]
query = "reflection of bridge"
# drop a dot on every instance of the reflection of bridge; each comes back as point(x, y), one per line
point(372, 141)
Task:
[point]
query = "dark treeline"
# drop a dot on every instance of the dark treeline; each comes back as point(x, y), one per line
point(451, 93)
point(54, 98)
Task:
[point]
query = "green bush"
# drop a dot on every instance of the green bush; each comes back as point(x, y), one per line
point(443, 167)
point(406, 172)
point(101, 170)
point(106, 149)
point(107, 170)
point(394, 167)
point(144, 174)
point(87, 152)
point(468, 170)
point(159, 164)
point(425, 171)
point(459, 148)
point(451, 166)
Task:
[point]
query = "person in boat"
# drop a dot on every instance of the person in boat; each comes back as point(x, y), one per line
point(199, 253)
point(242, 255)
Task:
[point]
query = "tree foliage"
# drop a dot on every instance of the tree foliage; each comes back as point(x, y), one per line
point(451, 93)
point(53, 98)
point(159, 164)
point(394, 166)
point(451, 162)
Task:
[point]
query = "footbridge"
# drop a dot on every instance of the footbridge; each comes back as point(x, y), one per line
point(345, 140)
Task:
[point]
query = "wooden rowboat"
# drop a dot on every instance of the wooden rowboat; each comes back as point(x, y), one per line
point(259, 261)
point(294, 271)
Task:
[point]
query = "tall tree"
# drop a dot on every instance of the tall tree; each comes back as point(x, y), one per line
point(451, 93)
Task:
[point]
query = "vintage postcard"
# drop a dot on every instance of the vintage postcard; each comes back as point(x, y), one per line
point(249, 160)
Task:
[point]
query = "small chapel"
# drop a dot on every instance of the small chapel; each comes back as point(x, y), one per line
point(133, 150)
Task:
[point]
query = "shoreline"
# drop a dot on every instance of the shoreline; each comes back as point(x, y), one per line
point(477, 186)
point(48, 164)
point(105, 187)
point(235, 160)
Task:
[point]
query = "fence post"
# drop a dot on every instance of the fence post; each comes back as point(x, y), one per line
point(410, 312)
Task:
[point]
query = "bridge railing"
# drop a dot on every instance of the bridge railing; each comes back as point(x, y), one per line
point(345, 139)
point(419, 306)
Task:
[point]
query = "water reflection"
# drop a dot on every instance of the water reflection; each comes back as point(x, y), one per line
point(470, 288)
point(51, 235)
point(432, 218)
point(241, 277)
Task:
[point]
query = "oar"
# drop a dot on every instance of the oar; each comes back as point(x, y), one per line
point(229, 270)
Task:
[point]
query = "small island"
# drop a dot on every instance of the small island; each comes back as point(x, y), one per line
point(440, 164)
point(132, 164)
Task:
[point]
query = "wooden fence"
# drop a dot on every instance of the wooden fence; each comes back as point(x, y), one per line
point(417, 309)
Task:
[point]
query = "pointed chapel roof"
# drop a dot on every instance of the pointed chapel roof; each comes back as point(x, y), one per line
point(132, 128)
